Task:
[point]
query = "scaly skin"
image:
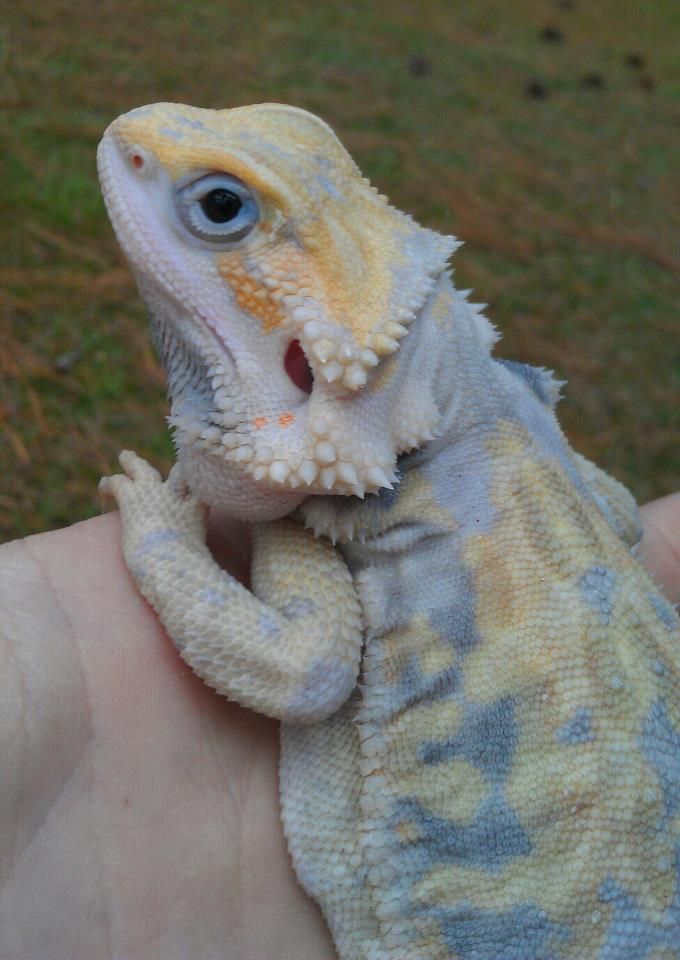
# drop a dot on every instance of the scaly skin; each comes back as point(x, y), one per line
point(503, 783)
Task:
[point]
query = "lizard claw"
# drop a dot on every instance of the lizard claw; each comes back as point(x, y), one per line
point(105, 490)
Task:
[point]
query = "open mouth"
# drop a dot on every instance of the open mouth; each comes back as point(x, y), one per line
point(297, 367)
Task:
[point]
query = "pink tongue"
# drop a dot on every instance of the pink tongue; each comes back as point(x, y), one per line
point(296, 366)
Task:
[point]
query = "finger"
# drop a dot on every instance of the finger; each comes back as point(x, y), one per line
point(660, 546)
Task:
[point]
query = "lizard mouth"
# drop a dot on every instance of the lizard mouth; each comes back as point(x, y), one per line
point(297, 367)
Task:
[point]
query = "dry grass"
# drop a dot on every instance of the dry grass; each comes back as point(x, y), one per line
point(566, 203)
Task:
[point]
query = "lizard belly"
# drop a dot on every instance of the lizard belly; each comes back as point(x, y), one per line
point(320, 791)
point(521, 752)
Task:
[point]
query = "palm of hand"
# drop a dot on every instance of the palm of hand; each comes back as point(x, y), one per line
point(138, 811)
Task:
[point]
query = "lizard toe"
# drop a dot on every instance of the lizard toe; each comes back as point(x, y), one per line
point(137, 468)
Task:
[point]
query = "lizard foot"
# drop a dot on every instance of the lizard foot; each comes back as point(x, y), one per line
point(149, 505)
point(136, 468)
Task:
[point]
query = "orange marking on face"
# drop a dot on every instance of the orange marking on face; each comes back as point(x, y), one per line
point(291, 266)
point(259, 422)
point(286, 419)
point(250, 296)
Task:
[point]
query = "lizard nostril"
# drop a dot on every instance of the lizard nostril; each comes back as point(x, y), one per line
point(140, 159)
point(297, 367)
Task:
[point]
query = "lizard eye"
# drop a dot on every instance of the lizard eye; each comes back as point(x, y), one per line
point(219, 208)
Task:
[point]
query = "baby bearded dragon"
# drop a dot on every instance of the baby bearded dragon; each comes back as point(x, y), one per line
point(480, 686)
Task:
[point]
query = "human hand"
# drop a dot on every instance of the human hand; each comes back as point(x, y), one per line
point(139, 814)
point(660, 547)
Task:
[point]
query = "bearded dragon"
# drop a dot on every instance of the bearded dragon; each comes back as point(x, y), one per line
point(479, 685)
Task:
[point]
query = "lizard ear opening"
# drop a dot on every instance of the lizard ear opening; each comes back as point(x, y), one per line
point(297, 367)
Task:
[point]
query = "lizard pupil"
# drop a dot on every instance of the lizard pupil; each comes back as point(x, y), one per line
point(221, 205)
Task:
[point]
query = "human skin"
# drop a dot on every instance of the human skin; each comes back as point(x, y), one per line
point(139, 811)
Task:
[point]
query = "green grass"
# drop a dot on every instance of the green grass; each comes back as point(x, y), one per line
point(566, 203)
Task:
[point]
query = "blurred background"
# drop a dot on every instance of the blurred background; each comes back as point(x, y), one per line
point(544, 133)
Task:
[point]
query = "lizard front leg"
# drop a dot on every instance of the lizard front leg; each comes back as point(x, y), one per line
point(291, 648)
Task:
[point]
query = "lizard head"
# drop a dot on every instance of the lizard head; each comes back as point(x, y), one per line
point(280, 284)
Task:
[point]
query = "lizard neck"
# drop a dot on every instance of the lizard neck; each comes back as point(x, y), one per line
point(476, 394)
point(450, 356)
point(445, 366)
point(481, 403)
